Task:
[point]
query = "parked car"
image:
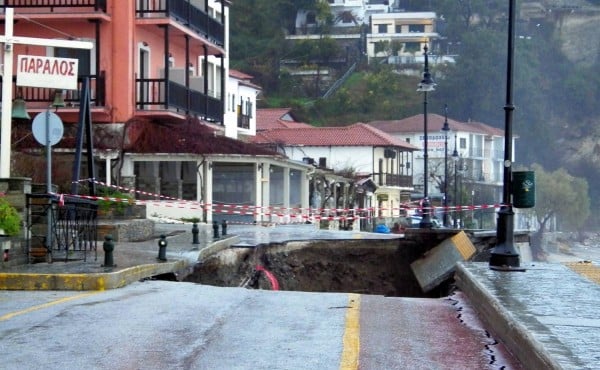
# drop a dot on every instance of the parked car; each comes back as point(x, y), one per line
point(415, 221)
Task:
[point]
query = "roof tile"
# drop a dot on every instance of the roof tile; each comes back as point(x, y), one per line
point(358, 134)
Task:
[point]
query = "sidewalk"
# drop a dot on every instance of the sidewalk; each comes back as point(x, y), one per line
point(547, 315)
point(139, 260)
point(133, 261)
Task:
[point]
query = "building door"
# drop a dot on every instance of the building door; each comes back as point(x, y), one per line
point(144, 86)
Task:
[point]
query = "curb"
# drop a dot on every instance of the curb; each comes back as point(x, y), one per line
point(112, 278)
point(91, 281)
point(521, 343)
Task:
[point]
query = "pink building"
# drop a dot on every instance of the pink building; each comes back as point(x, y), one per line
point(165, 108)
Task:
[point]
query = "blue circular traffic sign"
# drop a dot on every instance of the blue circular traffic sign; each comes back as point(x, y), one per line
point(55, 128)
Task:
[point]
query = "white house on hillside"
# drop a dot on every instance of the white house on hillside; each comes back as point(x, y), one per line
point(240, 106)
point(476, 178)
point(359, 149)
point(400, 36)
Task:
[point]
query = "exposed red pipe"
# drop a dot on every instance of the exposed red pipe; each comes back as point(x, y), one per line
point(270, 276)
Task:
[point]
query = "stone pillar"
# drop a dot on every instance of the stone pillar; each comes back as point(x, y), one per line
point(266, 195)
point(286, 195)
point(208, 191)
point(258, 192)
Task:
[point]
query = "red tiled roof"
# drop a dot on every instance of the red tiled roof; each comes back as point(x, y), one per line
point(239, 75)
point(245, 79)
point(435, 122)
point(358, 134)
point(191, 137)
point(271, 118)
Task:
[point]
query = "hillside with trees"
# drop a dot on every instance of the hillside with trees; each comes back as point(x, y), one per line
point(556, 84)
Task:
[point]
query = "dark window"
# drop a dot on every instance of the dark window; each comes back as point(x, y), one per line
point(416, 28)
point(84, 57)
point(412, 47)
point(382, 28)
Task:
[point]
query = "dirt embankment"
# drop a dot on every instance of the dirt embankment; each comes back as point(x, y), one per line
point(362, 266)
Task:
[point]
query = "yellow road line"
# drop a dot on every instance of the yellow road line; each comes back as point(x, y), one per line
point(587, 269)
point(351, 334)
point(9, 316)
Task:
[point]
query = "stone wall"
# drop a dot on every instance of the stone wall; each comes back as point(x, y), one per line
point(126, 230)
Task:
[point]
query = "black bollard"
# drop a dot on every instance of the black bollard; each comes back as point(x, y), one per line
point(108, 247)
point(224, 227)
point(162, 248)
point(215, 230)
point(195, 232)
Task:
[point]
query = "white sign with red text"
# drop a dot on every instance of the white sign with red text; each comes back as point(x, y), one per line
point(50, 72)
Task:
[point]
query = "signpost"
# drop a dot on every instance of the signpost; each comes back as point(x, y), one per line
point(50, 79)
point(38, 71)
point(35, 71)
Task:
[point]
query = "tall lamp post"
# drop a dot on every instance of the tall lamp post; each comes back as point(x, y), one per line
point(445, 130)
point(426, 85)
point(455, 158)
point(504, 256)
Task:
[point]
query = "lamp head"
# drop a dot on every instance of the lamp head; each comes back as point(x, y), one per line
point(427, 83)
point(446, 127)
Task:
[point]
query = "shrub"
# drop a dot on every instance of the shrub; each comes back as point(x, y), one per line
point(118, 206)
point(10, 220)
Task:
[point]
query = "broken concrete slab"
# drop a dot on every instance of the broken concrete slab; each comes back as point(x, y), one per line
point(439, 263)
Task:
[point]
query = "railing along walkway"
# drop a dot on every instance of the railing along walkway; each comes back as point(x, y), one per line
point(73, 228)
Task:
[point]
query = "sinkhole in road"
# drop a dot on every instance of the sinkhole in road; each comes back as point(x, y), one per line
point(379, 267)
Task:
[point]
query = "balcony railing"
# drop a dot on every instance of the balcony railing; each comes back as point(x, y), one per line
point(55, 5)
point(72, 97)
point(160, 94)
point(388, 179)
point(187, 14)
point(243, 121)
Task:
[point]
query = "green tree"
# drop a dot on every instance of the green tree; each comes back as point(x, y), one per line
point(559, 196)
point(257, 36)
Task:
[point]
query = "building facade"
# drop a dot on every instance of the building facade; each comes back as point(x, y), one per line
point(400, 37)
point(368, 159)
point(474, 177)
point(164, 106)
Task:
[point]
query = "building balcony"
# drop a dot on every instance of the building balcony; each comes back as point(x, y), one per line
point(39, 97)
point(183, 12)
point(159, 94)
point(388, 179)
point(56, 6)
point(243, 121)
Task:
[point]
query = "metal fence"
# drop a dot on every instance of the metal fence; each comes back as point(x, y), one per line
point(60, 228)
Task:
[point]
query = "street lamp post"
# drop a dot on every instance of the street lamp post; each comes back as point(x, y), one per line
point(445, 130)
point(455, 158)
point(504, 255)
point(427, 84)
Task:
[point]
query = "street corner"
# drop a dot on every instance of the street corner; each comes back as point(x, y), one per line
point(88, 281)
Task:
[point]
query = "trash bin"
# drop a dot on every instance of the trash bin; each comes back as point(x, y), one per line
point(523, 189)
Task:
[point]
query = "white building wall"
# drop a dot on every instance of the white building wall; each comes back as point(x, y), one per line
point(337, 158)
point(214, 63)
